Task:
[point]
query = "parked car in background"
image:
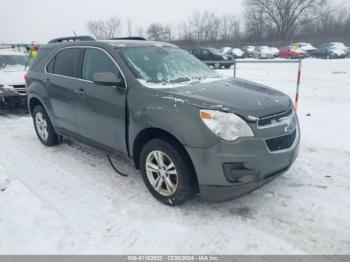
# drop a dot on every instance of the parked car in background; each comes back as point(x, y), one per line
point(226, 50)
point(217, 59)
point(248, 50)
point(275, 51)
point(327, 51)
point(188, 129)
point(263, 52)
point(237, 53)
point(308, 48)
point(292, 52)
point(12, 85)
point(337, 45)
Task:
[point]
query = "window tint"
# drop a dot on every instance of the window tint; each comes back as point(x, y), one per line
point(67, 62)
point(196, 52)
point(97, 61)
point(50, 66)
point(205, 52)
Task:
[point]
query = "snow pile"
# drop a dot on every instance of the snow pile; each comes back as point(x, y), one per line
point(67, 199)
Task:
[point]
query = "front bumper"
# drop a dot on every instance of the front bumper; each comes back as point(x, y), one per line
point(256, 166)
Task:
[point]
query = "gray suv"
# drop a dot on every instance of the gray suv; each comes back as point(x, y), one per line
point(186, 128)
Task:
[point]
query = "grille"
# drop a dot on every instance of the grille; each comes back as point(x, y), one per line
point(21, 89)
point(265, 121)
point(281, 142)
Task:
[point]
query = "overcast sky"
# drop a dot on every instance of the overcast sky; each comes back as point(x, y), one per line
point(42, 20)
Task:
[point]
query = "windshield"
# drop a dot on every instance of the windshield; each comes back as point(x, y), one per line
point(11, 61)
point(214, 51)
point(165, 65)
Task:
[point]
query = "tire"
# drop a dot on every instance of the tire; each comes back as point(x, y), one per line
point(43, 127)
point(181, 175)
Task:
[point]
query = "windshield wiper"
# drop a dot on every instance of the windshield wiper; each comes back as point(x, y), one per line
point(180, 80)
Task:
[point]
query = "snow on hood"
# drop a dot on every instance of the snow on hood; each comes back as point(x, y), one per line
point(176, 85)
point(337, 51)
point(237, 52)
point(238, 96)
point(12, 75)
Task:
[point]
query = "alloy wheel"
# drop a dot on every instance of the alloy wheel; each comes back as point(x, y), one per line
point(161, 173)
point(41, 126)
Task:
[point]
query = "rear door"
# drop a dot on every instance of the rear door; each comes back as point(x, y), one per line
point(61, 80)
point(101, 109)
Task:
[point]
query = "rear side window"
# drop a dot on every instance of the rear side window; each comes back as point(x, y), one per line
point(50, 66)
point(196, 52)
point(97, 61)
point(67, 62)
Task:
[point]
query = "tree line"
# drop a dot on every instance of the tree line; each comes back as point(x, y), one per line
point(263, 21)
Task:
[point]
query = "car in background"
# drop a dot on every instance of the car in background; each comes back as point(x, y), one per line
point(248, 50)
point(237, 53)
point(234, 52)
point(212, 57)
point(12, 84)
point(226, 50)
point(292, 52)
point(330, 52)
point(308, 48)
point(275, 51)
point(263, 52)
point(338, 45)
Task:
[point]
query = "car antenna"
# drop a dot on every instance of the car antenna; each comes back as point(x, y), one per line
point(114, 168)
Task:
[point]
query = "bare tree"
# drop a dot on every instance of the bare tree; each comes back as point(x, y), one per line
point(105, 29)
point(129, 26)
point(230, 27)
point(204, 26)
point(155, 32)
point(140, 31)
point(284, 15)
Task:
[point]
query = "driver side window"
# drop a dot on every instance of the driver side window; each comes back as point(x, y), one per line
point(97, 61)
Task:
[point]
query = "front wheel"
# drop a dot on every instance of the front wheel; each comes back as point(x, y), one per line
point(166, 173)
point(43, 127)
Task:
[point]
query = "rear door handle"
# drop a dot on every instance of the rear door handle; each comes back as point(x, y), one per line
point(80, 92)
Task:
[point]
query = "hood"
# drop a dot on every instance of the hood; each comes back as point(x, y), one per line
point(227, 57)
point(12, 76)
point(266, 51)
point(245, 98)
point(337, 51)
point(238, 52)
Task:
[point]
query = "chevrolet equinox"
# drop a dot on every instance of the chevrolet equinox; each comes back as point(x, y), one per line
point(188, 129)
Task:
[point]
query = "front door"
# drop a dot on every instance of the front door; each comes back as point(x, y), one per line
point(100, 108)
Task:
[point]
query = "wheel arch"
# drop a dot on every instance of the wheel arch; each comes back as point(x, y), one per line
point(33, 102)
point(153, 133)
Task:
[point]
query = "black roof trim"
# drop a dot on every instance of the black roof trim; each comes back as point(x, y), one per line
point(130, 38)
point(72, 38)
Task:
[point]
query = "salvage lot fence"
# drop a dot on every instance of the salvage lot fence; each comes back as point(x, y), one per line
point(236, 62)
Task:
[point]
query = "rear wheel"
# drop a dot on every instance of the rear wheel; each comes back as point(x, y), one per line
point(166, 173)
point(43, 127)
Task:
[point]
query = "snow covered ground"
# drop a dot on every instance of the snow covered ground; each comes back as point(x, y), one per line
point(67, 199)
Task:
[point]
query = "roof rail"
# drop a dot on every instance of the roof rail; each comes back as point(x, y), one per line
point(72, 38)
point(129, 38)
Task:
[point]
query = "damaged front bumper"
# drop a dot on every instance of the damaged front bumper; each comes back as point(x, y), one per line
point(229, 170)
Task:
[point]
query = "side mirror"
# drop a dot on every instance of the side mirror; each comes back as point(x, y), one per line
point(108, 79)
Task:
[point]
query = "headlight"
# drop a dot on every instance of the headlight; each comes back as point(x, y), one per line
point(228, 126)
